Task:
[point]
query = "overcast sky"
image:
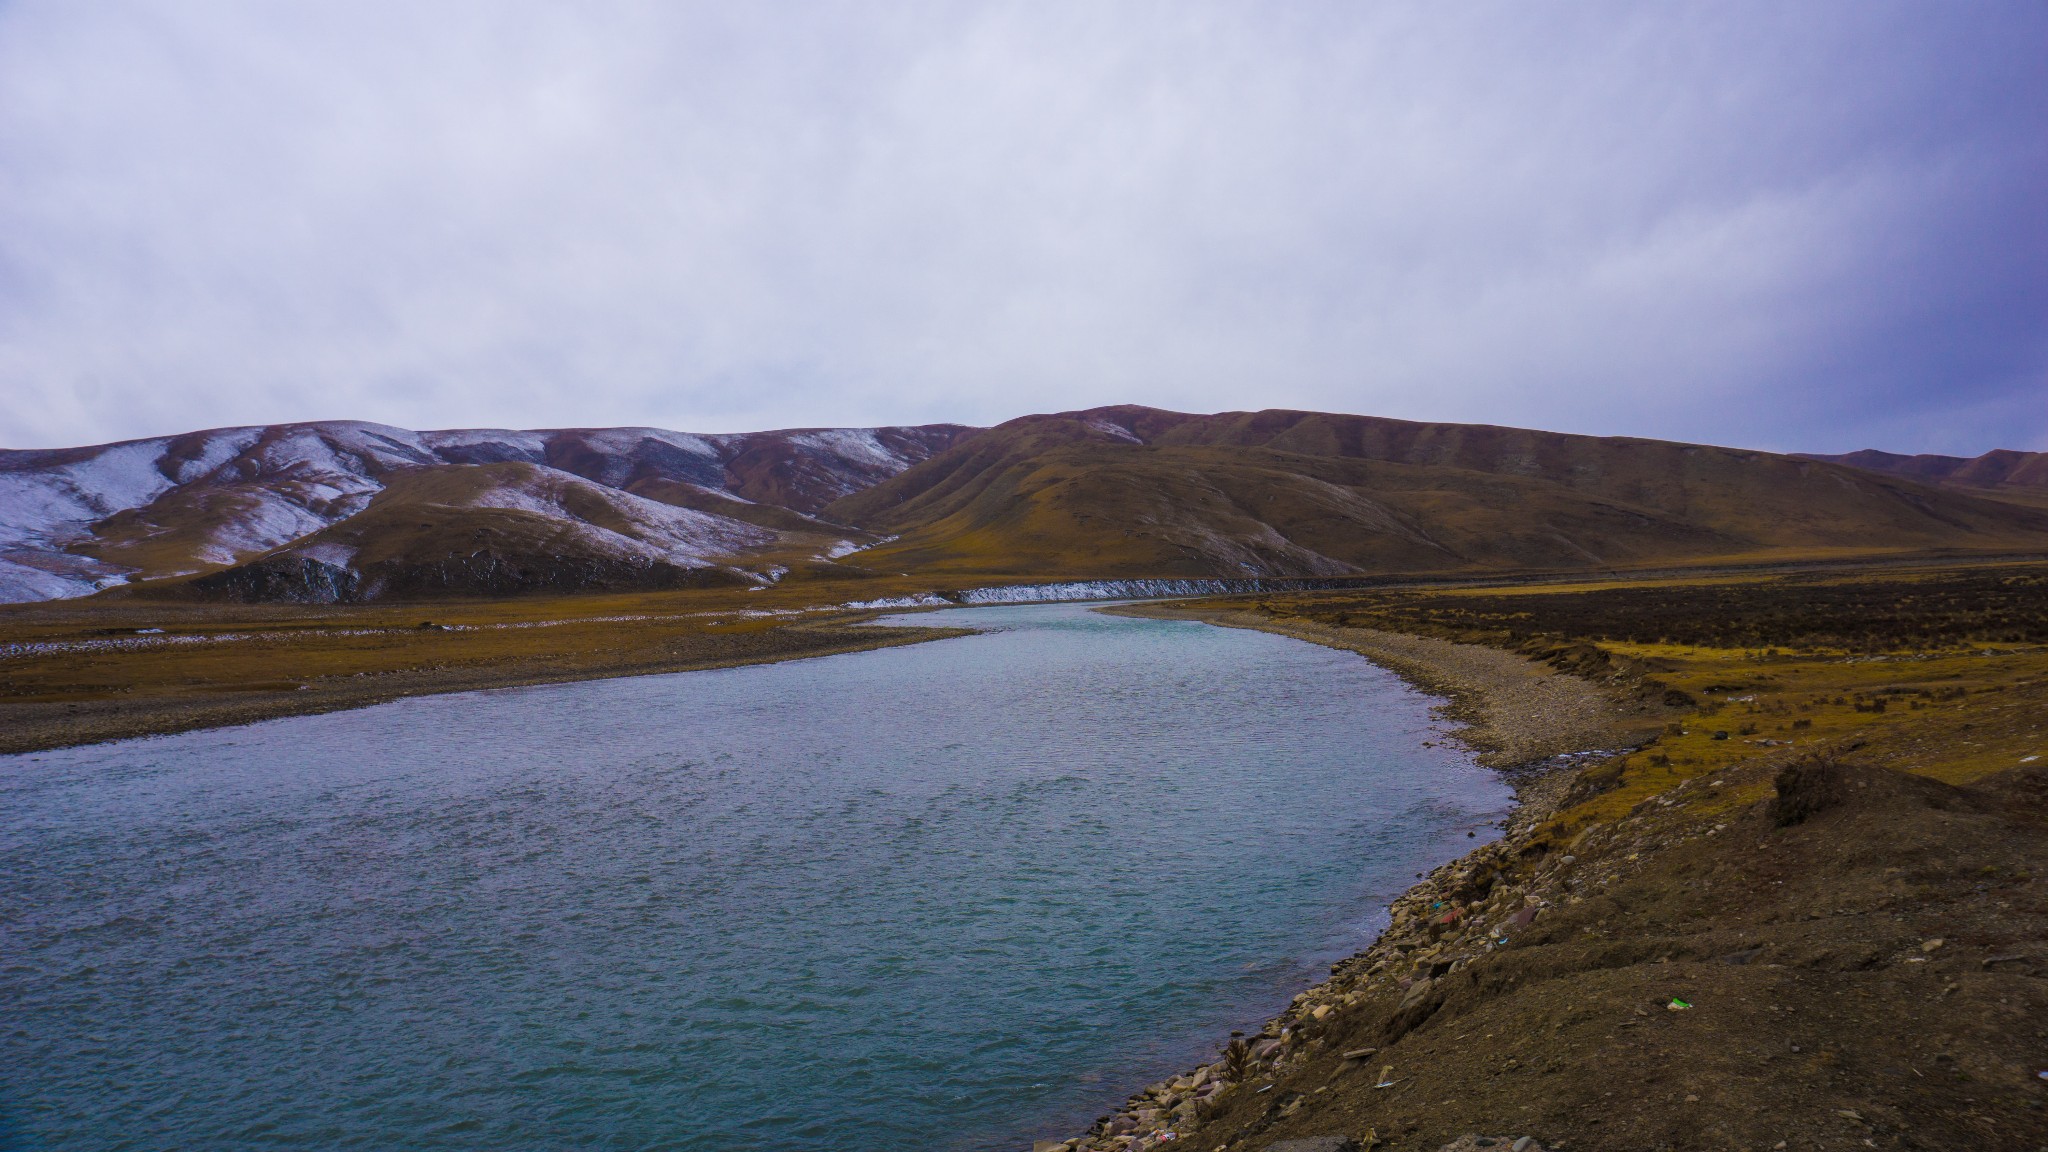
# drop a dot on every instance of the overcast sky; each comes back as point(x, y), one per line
point(1810, 226)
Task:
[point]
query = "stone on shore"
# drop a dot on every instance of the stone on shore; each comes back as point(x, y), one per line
point(1473, 1142)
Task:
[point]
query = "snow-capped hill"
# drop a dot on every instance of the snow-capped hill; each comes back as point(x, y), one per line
point(75, 520)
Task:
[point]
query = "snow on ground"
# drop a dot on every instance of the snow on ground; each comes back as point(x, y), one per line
point(328, 552)
point(46, 576)
point(301, 478)
point(1116, 430)
point(529, 445)
point(623, 441)
point(921, 600)
point(656, 530)
point(220, 447)
point(265, 521)
point(56, 504)
point(857, 445)
point(1101, 590)
point(340, 448)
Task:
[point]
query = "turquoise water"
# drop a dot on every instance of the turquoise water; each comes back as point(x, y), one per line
point(951, 896)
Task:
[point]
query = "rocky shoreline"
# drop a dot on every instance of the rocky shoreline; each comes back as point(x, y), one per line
point(1536, 726)
point(1460, 911)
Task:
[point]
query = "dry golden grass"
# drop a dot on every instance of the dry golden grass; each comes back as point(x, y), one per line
point(1939, 671)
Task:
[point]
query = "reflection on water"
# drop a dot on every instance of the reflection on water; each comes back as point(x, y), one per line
point(948, 896)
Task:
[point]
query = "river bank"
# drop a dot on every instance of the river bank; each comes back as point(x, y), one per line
point(1798, 918)
point(77, 694)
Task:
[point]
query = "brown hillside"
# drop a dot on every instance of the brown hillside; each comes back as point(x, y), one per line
point(2001, 472)
point(1130, 491)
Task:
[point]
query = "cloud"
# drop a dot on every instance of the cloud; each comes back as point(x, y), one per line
point(1810, 226)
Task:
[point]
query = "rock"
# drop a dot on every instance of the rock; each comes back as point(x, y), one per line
point(1316, 1144)
point(1416, 992)
point(1471, 1141)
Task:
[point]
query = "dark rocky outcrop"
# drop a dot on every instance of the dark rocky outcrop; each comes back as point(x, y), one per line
point(282, 580)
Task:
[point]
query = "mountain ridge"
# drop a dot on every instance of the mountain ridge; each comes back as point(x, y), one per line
point(352, 510)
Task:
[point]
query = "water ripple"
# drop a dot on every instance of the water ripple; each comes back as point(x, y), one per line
point(944, 897)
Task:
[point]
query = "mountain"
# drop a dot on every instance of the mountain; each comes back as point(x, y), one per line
point(468, 510)
point(346, 511)
point(2001, 471)
point(1128, 491)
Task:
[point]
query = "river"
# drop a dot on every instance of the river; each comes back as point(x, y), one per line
point(950, 896)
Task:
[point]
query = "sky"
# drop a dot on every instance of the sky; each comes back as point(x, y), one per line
point(1818, 226)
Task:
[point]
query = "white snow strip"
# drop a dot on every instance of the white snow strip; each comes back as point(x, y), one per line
point(1100, 590)
point(1120, 433)
point(859, 445)
point(532, 443)
point(622, 441)
point(221, 447)
point(21, 582)
point(920, 600)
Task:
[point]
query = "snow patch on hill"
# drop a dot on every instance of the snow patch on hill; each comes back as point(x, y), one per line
point(259, 488)
point(640, 527)
point(860, 445)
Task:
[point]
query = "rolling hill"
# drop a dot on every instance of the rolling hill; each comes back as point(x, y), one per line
point(1129, 491)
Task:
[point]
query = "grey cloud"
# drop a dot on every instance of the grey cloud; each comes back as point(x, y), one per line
point(1810, 226)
